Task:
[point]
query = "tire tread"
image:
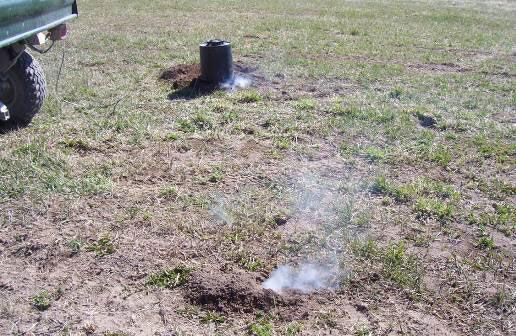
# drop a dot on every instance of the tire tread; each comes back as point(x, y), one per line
point(32, 78)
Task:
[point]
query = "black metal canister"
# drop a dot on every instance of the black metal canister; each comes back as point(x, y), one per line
point(216, 61)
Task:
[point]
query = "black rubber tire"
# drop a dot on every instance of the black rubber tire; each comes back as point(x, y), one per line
point(30, 89)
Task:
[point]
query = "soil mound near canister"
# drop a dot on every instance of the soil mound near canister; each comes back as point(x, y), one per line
point(234, 292)
point(186, 82)
point(182, 75)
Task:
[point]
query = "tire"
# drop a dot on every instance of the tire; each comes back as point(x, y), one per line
point(23, 89)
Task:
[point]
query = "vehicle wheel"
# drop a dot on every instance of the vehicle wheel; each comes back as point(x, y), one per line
point(23, 89)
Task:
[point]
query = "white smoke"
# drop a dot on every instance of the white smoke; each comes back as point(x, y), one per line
point(306, 278)
point(323, 206)
point(218, 210)
point(237, 82)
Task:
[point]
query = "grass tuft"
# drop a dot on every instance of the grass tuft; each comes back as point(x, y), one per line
point(262, 327)
point(486, 243)
point(249, 96)
point(41, 301)
point(212, 317)
point(77, 144)
point(394, 262)
point(102, 247)
point(402, 268)
point(169, 278)
point(294, 329)
point(432, 207)
point(305, 104)
point(169, 193)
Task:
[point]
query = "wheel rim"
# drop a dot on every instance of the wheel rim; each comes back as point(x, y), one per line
point(7, 91)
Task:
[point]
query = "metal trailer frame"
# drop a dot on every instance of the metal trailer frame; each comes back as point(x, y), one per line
point(22, 19)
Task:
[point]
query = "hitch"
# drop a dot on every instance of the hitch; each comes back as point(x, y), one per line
point(4, 112)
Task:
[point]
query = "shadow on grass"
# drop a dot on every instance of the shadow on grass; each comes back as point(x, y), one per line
point(197, 88)
point(8, 127)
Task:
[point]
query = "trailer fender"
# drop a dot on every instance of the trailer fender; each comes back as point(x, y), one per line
point(9, 56)
point(5, 60)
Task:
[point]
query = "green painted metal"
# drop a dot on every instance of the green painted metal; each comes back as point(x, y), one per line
point(20, 19)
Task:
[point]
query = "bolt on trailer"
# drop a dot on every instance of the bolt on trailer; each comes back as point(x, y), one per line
point(27, 24)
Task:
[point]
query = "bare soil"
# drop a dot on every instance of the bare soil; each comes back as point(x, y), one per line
point(235, 292)
point(182, 75)
point(436, 67)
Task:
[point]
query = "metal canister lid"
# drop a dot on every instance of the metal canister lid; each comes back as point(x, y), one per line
point(215, 43)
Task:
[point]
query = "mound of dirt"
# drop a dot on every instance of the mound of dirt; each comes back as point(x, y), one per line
point(235, 292)
point(182, 76)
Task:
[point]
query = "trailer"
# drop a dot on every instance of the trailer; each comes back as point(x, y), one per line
point(27, 24)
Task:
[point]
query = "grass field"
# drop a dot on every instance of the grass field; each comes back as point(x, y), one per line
point(377, 139)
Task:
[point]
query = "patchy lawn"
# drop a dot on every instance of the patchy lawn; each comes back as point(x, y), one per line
point(376, 141)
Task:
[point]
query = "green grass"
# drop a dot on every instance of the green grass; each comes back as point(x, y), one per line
point(363, 331)
point(75, 245)
point(430, 197)
point(293, 329)
point(503, 218)
point(169, 278)
point(262, 327)
point(42, 301)
point(394, 262)
point(431, 207)
point(169, 192)
point(486, 243)
point(250, 263)
point(305, 104)
point(211, 317)
point(249, 96)
point(217, 175)
point(401, 267)
point(102, 247)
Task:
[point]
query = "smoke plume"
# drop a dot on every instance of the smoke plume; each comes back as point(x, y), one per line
point(305, 278)
point(237, 82)
point(323, 208)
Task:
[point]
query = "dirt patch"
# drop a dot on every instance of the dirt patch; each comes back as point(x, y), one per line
point(454, 68)
point(235, 292)
point(186, 83)
point(182, 75)
point(185, 80)
point(438, 67)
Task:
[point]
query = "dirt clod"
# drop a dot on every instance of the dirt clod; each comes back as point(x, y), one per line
point(426, 121)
